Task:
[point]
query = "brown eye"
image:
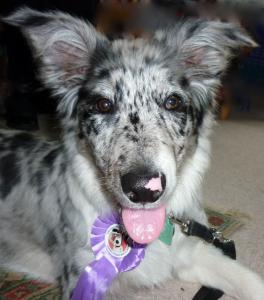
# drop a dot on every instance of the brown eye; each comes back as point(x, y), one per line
point(174, 102)
point(104, 106)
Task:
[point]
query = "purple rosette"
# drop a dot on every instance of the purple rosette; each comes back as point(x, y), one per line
point(114, 252)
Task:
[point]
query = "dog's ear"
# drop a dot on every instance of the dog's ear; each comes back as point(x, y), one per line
point(209, 46)
point(63, 45)
point(202, 50)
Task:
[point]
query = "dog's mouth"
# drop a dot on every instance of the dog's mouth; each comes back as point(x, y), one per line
point(142, 210)
point(144, 225)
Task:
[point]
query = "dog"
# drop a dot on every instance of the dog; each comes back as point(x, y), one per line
point(131, 111)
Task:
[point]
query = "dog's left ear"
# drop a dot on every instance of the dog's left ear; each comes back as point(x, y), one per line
point(201, 53)
point(63, 46)
point(204, 48)
point(210, 46)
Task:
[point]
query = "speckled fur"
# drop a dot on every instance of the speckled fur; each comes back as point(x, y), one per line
point(51, 192)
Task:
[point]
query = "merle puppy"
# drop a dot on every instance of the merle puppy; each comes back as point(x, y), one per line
point(129, 109)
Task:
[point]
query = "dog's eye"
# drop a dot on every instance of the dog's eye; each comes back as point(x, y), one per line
point(104, 106)
point(174, 102)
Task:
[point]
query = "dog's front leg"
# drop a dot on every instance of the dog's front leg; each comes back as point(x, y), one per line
point(67, 280)
point(203, 263)
point(67, 270)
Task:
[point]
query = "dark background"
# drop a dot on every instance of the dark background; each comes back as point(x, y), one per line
point(26, 95)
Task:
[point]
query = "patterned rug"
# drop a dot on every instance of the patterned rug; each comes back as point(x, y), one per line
point(19, 287)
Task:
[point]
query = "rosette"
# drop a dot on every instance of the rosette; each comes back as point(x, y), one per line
point(114, 252)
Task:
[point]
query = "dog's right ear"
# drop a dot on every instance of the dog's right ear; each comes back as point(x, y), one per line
point(63, 45)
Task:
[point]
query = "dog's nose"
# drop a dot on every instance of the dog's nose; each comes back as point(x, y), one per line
point(142, 188)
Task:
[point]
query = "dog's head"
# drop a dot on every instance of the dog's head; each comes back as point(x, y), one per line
point(141, 107)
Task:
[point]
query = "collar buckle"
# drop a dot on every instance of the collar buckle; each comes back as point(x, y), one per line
point(184, 225)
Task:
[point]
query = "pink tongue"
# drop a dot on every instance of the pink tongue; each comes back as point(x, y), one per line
point(144, 225)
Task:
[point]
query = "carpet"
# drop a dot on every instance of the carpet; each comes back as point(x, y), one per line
point(19, 287)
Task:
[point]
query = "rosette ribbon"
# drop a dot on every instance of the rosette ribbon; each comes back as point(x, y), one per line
point(114, 252)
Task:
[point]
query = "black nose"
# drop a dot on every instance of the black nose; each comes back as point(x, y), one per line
point(143, 188)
